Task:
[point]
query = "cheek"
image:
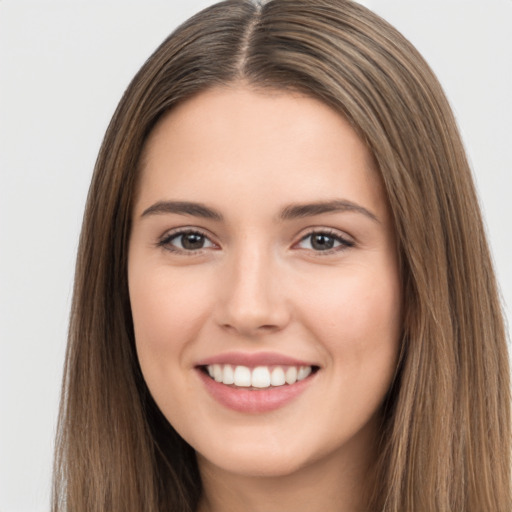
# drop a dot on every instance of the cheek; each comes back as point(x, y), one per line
point(167, 313)
point(357, 318)
point(358, 326)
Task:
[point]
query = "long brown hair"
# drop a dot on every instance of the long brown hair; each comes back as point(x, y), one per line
point(445, 437)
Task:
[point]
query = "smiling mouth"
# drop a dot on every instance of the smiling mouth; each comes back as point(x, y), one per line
point(259, 377)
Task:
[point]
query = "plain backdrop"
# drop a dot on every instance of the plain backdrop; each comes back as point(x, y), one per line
point(63, 68)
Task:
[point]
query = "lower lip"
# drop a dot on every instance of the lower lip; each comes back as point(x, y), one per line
point(254, 400)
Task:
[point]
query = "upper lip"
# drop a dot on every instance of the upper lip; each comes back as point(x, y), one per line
point(254, 359)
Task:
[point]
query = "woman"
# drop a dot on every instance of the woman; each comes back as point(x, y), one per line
point(284, 296)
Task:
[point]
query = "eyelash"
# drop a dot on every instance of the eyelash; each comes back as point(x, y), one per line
point(344, 243)
point(165, 241)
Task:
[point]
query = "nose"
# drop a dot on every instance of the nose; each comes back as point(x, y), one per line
point(252, 301)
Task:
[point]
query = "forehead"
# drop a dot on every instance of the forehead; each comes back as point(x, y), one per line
point(236, 139)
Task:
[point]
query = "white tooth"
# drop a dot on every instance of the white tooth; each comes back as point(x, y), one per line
point(291, 375)
point(242, 376)
point(217, 372)
point(277, 377)
point(228, 376)
point(260, 377)
point(304, 371)
point(210, 370)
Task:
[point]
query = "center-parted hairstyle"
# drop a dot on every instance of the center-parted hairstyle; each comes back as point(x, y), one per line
point(444, 443)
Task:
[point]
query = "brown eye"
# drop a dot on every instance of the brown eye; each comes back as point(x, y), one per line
point(324, 241)
point(192, 241)
point(321, 242)
point(186, 241)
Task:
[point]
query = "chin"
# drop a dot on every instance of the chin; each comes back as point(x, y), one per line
point(270, 458)
point(259, 465)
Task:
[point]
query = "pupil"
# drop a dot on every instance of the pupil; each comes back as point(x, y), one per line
point(322, 242)
point(192, 241)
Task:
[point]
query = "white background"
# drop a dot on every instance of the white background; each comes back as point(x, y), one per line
point(63, 68)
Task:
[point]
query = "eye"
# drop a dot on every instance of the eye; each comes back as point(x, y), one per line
point(323, 241)
point(186, 241)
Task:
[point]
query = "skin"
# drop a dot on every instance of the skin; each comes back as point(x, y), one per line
point(259, 284)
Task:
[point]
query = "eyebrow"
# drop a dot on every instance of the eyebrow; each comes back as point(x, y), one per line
point(290, 212)
point(297, 211)
point(183, 208)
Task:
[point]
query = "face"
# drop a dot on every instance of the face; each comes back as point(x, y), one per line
point(264, 282)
